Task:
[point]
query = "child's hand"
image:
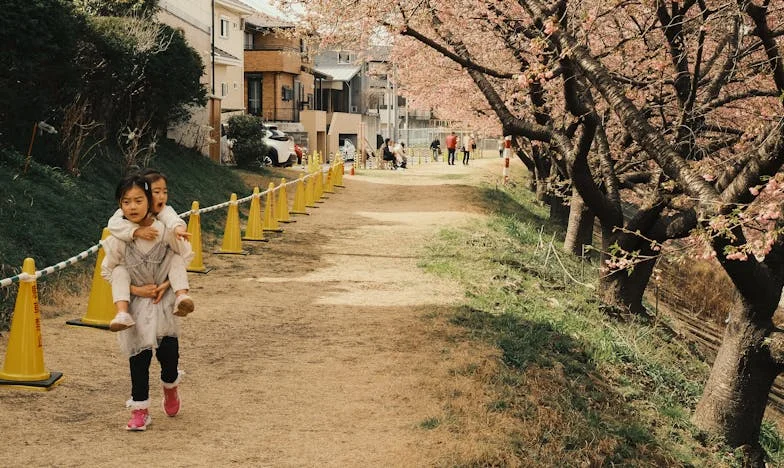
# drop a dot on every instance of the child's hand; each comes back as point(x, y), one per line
point(147, 290)
point(159, 290)
point(146, 233)
point(182, 233)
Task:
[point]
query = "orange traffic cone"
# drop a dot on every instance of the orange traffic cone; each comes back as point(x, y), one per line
point(232, 242)
point(282, 213)
point(24, 357)
point(299, 198)
point(100, 305)
point(254, 230)
point(194, 228)
point(270, 223)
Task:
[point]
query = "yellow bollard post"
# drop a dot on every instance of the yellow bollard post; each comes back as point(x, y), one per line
point(342, 170)
point(194, 228)
point(282, 213)
point(24, 356)
point(232, 241)
point(254, 230)
point(310, 199)
point(300, 198)
point(270, 224)
point(328, 184)
point(100, 305)
point(318, 189)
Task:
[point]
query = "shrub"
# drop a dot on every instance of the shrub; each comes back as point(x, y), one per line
point(145, 8)
point(38, 73)
point(248, 133)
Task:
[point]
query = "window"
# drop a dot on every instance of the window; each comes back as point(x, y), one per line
point(287, 93)
point(254, 95)
point(344, 57)
point(248, 41)
point(224, 89)
point(224, 28)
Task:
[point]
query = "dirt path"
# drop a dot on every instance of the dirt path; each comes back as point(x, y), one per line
point(326, 347)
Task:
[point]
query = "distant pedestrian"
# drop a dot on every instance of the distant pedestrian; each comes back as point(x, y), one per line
point(451, 147)
point(501, 148)
point(435, 147)
point(400, 155)
point(386, 152)
point(469, 144)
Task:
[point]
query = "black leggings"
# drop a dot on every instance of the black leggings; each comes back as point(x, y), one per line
point(168, 353)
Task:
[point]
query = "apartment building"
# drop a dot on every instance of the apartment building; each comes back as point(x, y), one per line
point(214, 29)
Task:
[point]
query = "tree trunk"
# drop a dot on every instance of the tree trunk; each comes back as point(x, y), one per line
point(622, 289)
point(559, 211)
point(736, 394)
point(579, 231)
point(625, 291)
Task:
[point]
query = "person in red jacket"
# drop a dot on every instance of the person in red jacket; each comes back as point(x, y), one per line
point(451, 147)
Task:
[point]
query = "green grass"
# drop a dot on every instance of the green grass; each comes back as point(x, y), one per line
point(623, 391)
point(50, 216)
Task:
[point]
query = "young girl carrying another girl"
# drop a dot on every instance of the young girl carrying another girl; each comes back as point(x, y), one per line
point(147, 261)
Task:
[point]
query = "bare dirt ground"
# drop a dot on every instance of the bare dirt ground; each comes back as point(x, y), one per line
point(327, 346)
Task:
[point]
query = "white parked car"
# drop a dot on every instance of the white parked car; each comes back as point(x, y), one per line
point(281, 152)
point(348, 150)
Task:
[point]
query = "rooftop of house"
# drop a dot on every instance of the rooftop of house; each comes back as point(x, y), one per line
point(261, 20)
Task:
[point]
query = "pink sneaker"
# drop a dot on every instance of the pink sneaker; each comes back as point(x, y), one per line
point(140, 419)
point(183, 305)
point(171, 401)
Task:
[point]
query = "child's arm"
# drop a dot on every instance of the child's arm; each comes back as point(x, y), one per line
point(180, 246)
point(120, 227)
point(114, 255)
point(173, 222)
point(125, 230)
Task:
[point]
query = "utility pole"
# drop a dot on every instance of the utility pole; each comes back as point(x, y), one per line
point(394, 98)
point(408, 130)
point(212, 51)
point(389, 107)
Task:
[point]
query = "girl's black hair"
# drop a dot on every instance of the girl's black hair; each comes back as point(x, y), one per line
point(153, 175)
point(130, 181)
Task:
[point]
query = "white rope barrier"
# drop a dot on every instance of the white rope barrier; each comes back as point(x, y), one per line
point(49, 270)
point(92, 250)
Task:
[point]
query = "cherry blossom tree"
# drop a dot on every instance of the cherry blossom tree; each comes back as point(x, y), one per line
point(664, 116)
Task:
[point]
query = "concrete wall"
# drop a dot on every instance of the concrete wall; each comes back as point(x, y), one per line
point(192, 17)
point(315, 124)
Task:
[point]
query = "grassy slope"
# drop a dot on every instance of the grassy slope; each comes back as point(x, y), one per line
point(588, 390)
point(50, 216)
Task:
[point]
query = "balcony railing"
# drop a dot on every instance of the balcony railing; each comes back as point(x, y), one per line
point(278, 114)
point(277, 48)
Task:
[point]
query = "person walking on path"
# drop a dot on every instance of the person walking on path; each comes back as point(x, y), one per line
point(435, 147)
point(468, 146)
point(156, 325)
point(451, 147)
